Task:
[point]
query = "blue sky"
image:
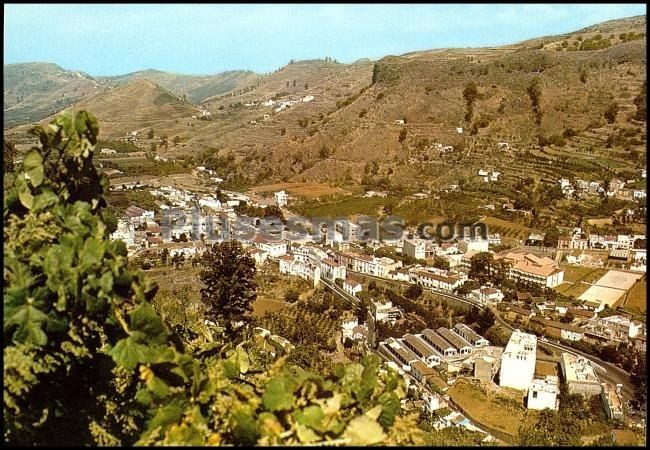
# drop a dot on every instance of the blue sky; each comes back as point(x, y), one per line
point(206, 39)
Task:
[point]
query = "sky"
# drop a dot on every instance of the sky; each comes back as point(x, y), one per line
point(114, 39)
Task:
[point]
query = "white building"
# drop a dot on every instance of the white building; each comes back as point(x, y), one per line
point(533, 269)
point(518, 361)
point(543, 393)
point(417, 248)
point(486, 295)
point(274, 248)
point(352, 286)
point(281, 198)
point(332, 270)
point(107, 151)
point(579, 375)
point(439, 280)
point(473, 245)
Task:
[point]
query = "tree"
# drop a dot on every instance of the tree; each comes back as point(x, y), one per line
point(8, 156)
point(551, 236)
point(164, 256)
point(402, 135)
point(414, 291)
point(480, 267)
point(534, 91)
point(611, 112)
point(640, 103)
point(291, 296)
point(88, 360)
point(150, 134)
point(178, 259)
point(229, 288)
point(306, 86)
point(470, 94)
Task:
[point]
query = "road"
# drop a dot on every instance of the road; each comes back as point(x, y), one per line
point(606, 371)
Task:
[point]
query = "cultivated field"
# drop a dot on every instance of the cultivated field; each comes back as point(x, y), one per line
point(637, 298)
point(308, 190)
point(602, 294)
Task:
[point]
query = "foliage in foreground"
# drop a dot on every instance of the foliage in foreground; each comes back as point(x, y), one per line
point(88, 360)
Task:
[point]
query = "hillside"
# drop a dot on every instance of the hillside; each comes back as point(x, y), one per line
point(33, 91)
point(196, 88)
point(351, 131)
point(136, 106)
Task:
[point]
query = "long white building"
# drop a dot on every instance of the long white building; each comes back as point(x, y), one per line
point(518, 361)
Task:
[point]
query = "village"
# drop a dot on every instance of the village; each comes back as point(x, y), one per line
point(338, 255)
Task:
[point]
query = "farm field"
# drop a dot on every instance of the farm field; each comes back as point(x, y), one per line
point(508, 229)
point(309, 190)
point(480, 407)
point(543, 368)
point(576, 274)
point(637, 298)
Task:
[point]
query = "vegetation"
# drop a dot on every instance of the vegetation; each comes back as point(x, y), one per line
point(534, 91)
point(228, 275)
point(89, 361)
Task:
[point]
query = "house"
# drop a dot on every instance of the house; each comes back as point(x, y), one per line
point(352, 285)
point(462, 346)
point(399, 122)
point(437, 281)
point(275, 248)
point(385, 312)
point(581, 313)
point(517, 313)
point(136, 214)
point(563, 331)
point(107, 151)
point(543, 393)
point(332, 269)
point(518, 361)
point(475, 244)
point(613, 329)
point(440, 344)
point(486, 295)
point(281, 198)
point(612, 402)
point(260, 256)
point(527, 267)
point(424, 351)
point(421, 371)
point(308, 98)
point(351, 329)
point(417, 248)
point(470, 335)
point(579, 375)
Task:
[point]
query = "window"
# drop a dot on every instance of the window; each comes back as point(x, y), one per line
point(534, 394)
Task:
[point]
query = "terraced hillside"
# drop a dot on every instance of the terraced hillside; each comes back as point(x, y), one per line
point(33, 91)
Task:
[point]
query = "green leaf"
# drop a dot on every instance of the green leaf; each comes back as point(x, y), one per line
point(244, 427)
point(128, 353)
point(29, 320)
point(311, 416)
point(24, 192)
point(364, 431)
point(44, 200)
point(33, 166)
point(145, 319)
point(278, 395)
point(306, 434)
point(91, 254)
point(243, 360)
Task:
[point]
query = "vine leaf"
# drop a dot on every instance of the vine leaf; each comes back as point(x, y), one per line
point(28, 319)
point(364, 431)
point(278, 395)
point(33, 166)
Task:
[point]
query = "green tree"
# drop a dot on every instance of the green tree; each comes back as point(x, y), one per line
point(480, 267)
point(470, 94)
point(291, 296)
point(89, 361)
point(8, 156)
point(414, 291)
point(640, 103)
point(551, 236)
point(611, 112)
point(164, 256)
point(230, 288)
point(402, 135)
point(534, 91)
point(150, 134)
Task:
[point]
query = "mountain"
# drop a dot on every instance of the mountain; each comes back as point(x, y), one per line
point(37, 90)
point(33, 91)
point(351, 131)
point(136, 106)
point(195, 87)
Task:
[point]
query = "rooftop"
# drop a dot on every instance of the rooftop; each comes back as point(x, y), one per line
point(578, 369)
point(521, 343)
